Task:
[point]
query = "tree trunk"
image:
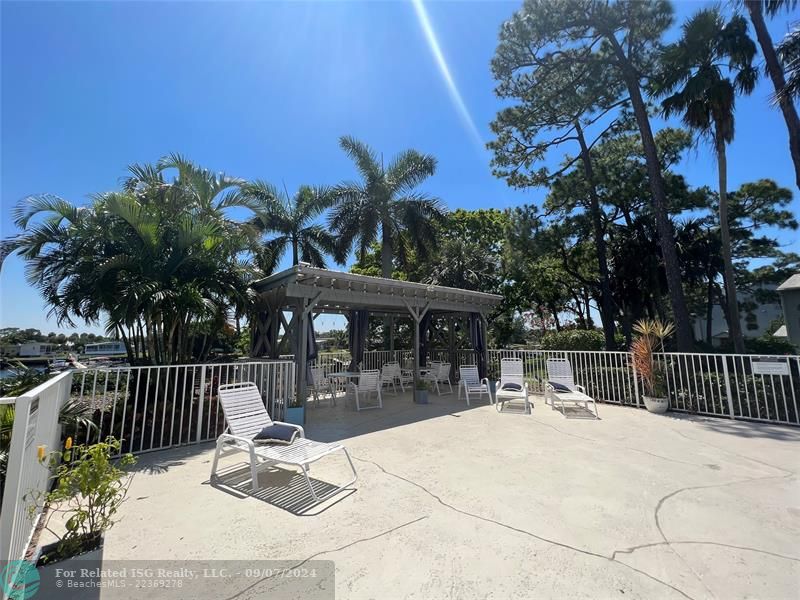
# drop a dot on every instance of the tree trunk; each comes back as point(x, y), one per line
point(606, 299)
point(386, 251)
point(386, 272)
point(295, 252)
point(710, 308)
point(775, 70)
point(666, 234)
point(734, 324)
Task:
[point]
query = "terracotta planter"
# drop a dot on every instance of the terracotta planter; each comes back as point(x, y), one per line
point(656, 405)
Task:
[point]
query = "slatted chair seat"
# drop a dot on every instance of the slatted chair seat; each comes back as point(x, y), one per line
point(321, 383)
point(246, 416)
point(391, 375)
point(471, 383)
point(439, 372)
point(559, 372)
point(369, 383)
point(511, 386)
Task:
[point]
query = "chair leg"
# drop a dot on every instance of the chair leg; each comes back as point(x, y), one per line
point(318, 499)
point(215, 461)
point(380, 399)
point(254, 474)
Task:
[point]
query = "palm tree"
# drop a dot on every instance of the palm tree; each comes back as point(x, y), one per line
point(384, 204)
point(158, 260)
point(789, 53)
point(696, 72)
point(292, 219)
point(757, 9)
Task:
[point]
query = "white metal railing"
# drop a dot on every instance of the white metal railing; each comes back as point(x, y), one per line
point(607, 376)
point(723, 385)
point(35, 424)
point(739, 386)
point(156, 407)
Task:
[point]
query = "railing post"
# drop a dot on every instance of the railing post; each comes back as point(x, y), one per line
point(728, 393)
point(635, 380)
point(201, 404)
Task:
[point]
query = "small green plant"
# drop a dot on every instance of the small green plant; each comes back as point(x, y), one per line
point(89, 489)
point(650, 339)
point(422, 385)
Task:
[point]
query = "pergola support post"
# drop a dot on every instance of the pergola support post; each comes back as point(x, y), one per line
point(416, 314)
point(301, 356)
point(485, 326)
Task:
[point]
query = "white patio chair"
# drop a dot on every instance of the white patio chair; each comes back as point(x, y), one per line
point(471, 382)
point(369, 382)
point(439, 373)
point(321, 383)
point(511, 385)
point(390, 373)
point(246, 416)
point(559, 374)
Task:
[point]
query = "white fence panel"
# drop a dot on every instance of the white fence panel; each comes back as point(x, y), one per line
point(156, 407)
point(35, 424)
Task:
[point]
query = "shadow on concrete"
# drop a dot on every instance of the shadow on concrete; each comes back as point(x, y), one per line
point(283, 488)
point(744, 429)
point(328, 423)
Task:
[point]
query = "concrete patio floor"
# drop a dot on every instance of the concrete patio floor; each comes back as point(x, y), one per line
point(468, 503)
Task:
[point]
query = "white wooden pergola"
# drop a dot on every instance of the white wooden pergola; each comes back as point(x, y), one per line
point(306, 291)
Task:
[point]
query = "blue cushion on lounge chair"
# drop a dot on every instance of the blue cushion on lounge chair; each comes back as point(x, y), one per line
point(559, 387)
point(511, 387)
point(276, 434)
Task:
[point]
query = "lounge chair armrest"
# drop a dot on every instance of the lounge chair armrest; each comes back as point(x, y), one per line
point(298, 427)
point(580, 388)
point(237, 438)
point(485, 381)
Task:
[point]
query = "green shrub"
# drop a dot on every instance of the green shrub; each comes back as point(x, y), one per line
point(89, 489)
point(765, 344)
point(577, 339)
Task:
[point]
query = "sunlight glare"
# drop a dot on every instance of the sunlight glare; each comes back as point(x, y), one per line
point(455, 95)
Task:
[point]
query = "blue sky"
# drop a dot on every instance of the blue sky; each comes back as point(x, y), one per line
point(264, 90)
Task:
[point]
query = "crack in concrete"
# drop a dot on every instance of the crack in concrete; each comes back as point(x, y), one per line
point(659, 505)
point(522, 531)
point(633, 549)
point(339, 549)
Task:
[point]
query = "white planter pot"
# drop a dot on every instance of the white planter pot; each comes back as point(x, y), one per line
point(656, 405)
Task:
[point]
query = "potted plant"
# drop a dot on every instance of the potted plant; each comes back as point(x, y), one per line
point(421, 392)
point(650, 339)
point(89, 487)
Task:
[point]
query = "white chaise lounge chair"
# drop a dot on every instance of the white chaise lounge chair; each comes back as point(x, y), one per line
point(246, 416)
point(562, 389)
point(512, 384)
point(471, 383)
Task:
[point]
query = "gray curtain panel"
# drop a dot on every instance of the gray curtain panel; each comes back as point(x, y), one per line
point(477, 336)
point(358, 331)
point(312, 350)
point(424, 325)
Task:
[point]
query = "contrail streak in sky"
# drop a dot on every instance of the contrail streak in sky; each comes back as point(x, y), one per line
point(455, 95)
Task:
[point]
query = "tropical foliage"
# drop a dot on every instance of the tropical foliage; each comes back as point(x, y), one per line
point(158, 260)
point(293, 221)
point(384, 206)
